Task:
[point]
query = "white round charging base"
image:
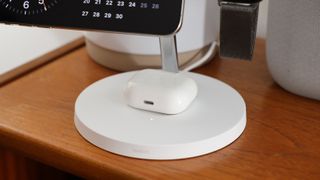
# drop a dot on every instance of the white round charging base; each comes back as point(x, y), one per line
point(216, 118)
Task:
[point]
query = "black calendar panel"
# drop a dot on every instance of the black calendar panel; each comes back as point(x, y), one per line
point(156, 17)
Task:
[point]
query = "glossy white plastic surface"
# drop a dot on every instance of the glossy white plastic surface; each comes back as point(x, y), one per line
point(160, 91)
point(216, 118)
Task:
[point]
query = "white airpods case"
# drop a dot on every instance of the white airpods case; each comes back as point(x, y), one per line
point(160, 91)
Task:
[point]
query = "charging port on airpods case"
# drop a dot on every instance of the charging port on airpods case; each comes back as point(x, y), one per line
point(160, 91)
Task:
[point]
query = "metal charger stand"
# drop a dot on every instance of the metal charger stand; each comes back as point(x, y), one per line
point(215, 119)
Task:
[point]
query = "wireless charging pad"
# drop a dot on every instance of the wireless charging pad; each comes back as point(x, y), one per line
point(216, 118)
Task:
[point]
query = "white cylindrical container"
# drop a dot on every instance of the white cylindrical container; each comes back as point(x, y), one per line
point(128, 52)
point(293, 45)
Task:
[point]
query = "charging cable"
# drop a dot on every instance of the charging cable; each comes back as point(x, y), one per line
point(211, 52)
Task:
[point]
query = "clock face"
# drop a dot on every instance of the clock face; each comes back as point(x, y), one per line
point(28, 7)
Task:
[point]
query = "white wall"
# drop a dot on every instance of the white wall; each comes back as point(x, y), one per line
point(262, 24)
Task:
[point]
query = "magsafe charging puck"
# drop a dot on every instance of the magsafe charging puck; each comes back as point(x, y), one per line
point(215, 119)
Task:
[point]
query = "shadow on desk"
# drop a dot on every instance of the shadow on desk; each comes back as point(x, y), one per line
point(14, 166)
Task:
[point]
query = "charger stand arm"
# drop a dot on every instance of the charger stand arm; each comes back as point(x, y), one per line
point(169, 53)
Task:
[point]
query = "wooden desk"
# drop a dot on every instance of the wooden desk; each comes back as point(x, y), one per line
point(281, 139)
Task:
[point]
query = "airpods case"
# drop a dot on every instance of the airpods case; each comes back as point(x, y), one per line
point(160, 91)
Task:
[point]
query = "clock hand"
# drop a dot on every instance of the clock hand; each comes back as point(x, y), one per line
point(44, 5)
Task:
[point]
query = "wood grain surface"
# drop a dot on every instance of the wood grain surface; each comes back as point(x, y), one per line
point(13, 166)
point(281, 139)
point(39, 61)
